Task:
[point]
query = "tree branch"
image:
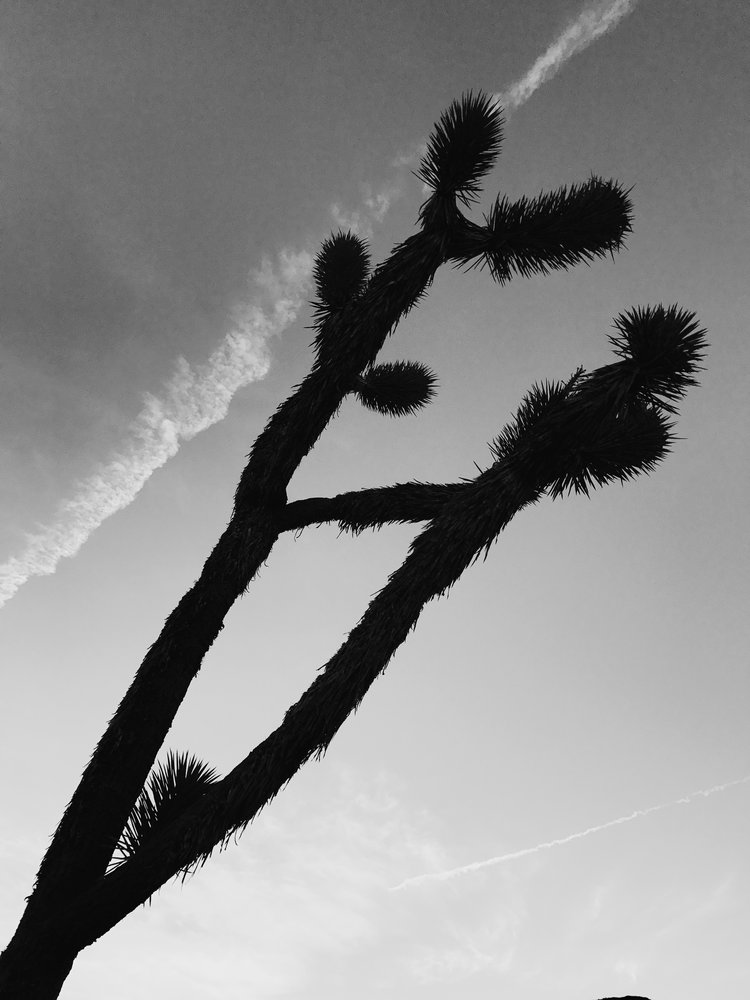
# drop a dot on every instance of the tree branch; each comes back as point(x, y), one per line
point(347, 342)
point(560, 435)
point(357, 510)
point(95, 817)
point(468, 522)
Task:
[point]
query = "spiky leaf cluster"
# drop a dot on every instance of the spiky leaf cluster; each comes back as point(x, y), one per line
point(537, 415)
point(559, 441)
point(622, 447)
point(171, 787)
point(396, 387)
point(340, 271)
point(463, 147)
point(665, 346)
point(607, 425)
point(555, 230)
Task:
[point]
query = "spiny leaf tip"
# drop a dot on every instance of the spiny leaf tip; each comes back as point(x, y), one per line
point(340, 270)
point(665, 344)
point(396, 387)
point(463, 146)
point(555, 230)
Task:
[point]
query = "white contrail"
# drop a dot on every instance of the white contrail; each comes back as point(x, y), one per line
point(196, 398)
point(593, 22)
point(514, 855)
point(193, 399)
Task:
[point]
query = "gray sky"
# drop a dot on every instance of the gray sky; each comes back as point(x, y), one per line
point(169, 171)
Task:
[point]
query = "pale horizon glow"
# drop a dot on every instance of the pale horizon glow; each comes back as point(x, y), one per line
point(474, 866)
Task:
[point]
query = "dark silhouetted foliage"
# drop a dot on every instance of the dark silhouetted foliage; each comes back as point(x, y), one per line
point(396, 387)
point(128, 829)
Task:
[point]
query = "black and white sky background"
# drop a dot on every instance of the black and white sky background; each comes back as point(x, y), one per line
point(168, 172)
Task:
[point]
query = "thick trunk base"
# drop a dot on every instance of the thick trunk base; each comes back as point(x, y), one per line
point(29, 971)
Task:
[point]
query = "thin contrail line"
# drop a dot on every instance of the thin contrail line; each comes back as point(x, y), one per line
point(514, 855)
point(197, 398)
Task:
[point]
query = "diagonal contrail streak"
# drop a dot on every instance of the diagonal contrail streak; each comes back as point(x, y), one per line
point(193, 399)
point(526, 851)
point(197, 398)
point(591, 23)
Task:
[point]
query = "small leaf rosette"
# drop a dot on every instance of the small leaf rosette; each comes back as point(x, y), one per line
point(463, 147)
point(340, 271)
point(396, 387)
point(171, 788)
point(664, 346)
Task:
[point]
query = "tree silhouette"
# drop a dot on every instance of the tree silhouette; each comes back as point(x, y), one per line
point(124, 834)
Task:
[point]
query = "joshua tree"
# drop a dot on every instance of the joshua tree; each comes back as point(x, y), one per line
point(124, 834)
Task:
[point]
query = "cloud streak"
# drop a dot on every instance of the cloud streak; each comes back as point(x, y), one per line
point(593, 21)
point(375, 207)
point(500, 859)
point(193, 399)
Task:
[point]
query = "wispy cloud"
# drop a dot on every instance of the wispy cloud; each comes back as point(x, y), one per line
point(486, 945)
point(273, 918)
point(627, 968)
point(194, 398)
point(593, 21)
point(500, 859)
point(375, 206)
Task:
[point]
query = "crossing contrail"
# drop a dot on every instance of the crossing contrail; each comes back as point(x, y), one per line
point(526, 851)
point(198, 397)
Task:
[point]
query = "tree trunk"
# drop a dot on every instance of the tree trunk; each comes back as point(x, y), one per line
point(35, 965)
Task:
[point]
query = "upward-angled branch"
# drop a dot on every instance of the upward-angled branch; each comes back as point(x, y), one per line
point(566, 436)
point(93, 821)
point(348, 340)
point(578, 434)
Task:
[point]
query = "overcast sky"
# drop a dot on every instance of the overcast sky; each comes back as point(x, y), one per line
point(168, 173)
